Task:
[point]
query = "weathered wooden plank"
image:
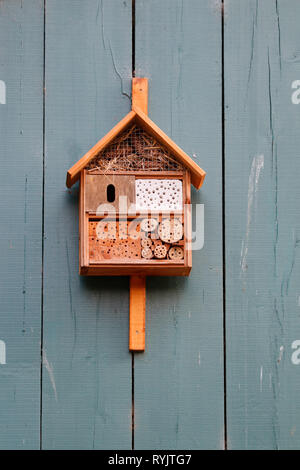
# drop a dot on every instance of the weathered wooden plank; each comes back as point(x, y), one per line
point(262, 223)
point(178, 385)
point(21, 148)
point(87, 366)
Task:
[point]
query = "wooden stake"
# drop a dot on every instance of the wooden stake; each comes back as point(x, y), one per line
point(137, 302)
point(140, 94)
point(137, 313)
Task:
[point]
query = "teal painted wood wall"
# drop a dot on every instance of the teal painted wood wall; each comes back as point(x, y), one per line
point(221, 365)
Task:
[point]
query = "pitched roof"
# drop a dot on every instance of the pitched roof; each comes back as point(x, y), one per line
point(136, 115)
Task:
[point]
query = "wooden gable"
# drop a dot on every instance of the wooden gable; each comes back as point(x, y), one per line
point(134, 149)
point(137, 118)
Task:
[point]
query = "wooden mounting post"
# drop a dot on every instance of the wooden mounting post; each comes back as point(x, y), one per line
point(137, 313)
point(140, 94)
point(137, 304)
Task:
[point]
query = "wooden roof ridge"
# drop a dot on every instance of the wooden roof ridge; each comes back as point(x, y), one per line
point(136, 114)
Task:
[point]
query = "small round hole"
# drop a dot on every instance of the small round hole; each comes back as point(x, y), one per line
point(111, 193)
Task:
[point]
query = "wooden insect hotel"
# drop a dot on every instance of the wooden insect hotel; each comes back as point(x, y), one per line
point(134, 213)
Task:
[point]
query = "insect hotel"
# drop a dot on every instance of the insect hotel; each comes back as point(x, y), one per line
point(134, 212)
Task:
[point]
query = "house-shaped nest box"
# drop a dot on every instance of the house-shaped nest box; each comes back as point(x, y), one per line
point(135, 187)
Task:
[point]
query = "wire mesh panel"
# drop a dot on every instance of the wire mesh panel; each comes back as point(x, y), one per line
point(134, 150)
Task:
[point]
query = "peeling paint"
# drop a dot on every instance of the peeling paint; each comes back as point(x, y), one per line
point(2, 92)
point(281, 350)
point(49, 368)
point(256, 167)
point(2, 352)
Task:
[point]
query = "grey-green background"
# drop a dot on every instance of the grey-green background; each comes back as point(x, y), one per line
point(217, 372)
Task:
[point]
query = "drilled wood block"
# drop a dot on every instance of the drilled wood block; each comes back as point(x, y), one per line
point(112, 229)
point(114, 249)
point(158, 194)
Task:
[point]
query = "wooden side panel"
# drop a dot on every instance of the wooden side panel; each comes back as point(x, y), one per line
point(87, 366)
point(188, 218)
point(262, 224)
point(178, 388)
point(83, 225)
point(21, 149)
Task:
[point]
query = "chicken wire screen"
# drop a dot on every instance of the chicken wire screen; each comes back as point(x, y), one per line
point(133, 150)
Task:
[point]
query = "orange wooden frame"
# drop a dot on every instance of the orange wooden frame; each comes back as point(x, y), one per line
point(131, 267)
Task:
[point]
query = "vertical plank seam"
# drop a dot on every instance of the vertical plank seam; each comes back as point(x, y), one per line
point(224, 227)
point(133, 37)
point(43, 229)
point(132, 354)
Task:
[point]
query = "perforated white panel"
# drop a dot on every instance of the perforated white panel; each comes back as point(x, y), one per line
point(158, 194)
